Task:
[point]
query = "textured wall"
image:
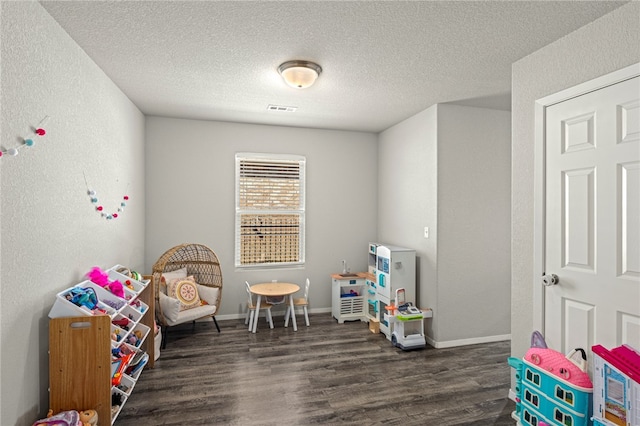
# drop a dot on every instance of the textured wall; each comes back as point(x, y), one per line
point(605, 45)
point(51, 235)
point(191, 197)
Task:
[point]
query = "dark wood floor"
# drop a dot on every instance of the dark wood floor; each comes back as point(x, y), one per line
point(327, 373)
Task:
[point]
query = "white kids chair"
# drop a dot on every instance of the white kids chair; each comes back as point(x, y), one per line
point(252, 315)
point(300, 302)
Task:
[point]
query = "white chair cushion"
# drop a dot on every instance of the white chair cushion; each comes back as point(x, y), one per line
point(193, 314)
point(208, 294)
point(171, 307)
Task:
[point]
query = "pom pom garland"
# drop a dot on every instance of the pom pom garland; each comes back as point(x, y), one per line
point(99, 208)
point(28, 142)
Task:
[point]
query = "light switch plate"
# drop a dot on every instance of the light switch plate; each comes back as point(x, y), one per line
point(426, 232)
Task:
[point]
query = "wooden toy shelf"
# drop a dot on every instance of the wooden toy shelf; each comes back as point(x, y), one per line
point(80, 360)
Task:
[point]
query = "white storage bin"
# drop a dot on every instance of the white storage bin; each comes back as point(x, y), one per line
point(129, 293)
point(134, 371)
point(63, 308)
point(125, 349)
point(136, 286)
point(122, 330)
point(139, 306)
point(106, 301)
point(131, 313)
point(141, 332)
point(118, 336)
point(126, 385)
point(105, 296)
point(123, 399)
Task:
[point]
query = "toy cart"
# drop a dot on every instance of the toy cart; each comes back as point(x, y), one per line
point(407, 324)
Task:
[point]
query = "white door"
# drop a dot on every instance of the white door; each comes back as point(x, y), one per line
point(592, 236)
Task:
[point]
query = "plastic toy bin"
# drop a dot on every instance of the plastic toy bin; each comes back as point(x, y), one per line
point(126, 385)
point(117, 394)
point(118, 334)
point(131, 313)
point(136, 286)
point(107, 301)
point(139, 306)
point(142, 330)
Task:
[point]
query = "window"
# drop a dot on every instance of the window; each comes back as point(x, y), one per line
point(563, 395)
point(270, 210)
point(533, 399)
point(530, 419)
point(532, 377)
point(564, 419)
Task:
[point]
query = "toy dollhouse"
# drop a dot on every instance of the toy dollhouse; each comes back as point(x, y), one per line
point(551, 388)
point(616, 380)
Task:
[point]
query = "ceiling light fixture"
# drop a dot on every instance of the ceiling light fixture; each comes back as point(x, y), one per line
point(299, 74)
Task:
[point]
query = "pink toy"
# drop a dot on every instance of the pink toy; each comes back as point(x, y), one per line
point(571, 367)
point(70, 418)
point(101, 278)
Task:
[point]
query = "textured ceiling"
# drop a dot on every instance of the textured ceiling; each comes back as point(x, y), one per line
point(383, 61)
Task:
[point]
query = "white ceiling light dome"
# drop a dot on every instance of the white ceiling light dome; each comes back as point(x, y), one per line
point(299, 74)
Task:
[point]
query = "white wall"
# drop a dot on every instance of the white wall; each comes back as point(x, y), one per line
point(474, 156)
point(448, 168)
point(605, 45)
point(190, 197)
point(408, 197)
point(50, 233)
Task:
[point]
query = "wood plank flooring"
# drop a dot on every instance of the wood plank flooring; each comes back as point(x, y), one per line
point(327, 373)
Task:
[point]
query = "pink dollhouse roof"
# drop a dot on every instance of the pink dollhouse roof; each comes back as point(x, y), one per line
point(558, 365)
point(624, 358)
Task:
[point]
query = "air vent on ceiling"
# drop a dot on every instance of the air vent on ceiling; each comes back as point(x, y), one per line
point(281, 108)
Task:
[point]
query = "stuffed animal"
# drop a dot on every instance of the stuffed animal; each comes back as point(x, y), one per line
point(89, 417)
point(70, 418)
point(101, 278)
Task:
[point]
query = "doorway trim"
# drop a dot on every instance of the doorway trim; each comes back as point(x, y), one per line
point(539, 206)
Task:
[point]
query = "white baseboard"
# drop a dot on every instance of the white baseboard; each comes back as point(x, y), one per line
point(465, 342)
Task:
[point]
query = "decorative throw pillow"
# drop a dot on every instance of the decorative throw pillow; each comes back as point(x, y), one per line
point(186, 291)
point(208, 295)
point(168, 276)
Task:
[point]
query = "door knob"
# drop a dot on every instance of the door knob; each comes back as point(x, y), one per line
point(550, 279)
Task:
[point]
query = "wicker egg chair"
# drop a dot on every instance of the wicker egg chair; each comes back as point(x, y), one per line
point(202, 263)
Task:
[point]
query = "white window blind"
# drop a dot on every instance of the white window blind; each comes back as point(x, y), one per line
point(270, 210)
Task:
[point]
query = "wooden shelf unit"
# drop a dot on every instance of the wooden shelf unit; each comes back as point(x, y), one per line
point(80, 359)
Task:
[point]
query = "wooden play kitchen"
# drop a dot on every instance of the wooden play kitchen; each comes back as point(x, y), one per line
point(368, 296)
